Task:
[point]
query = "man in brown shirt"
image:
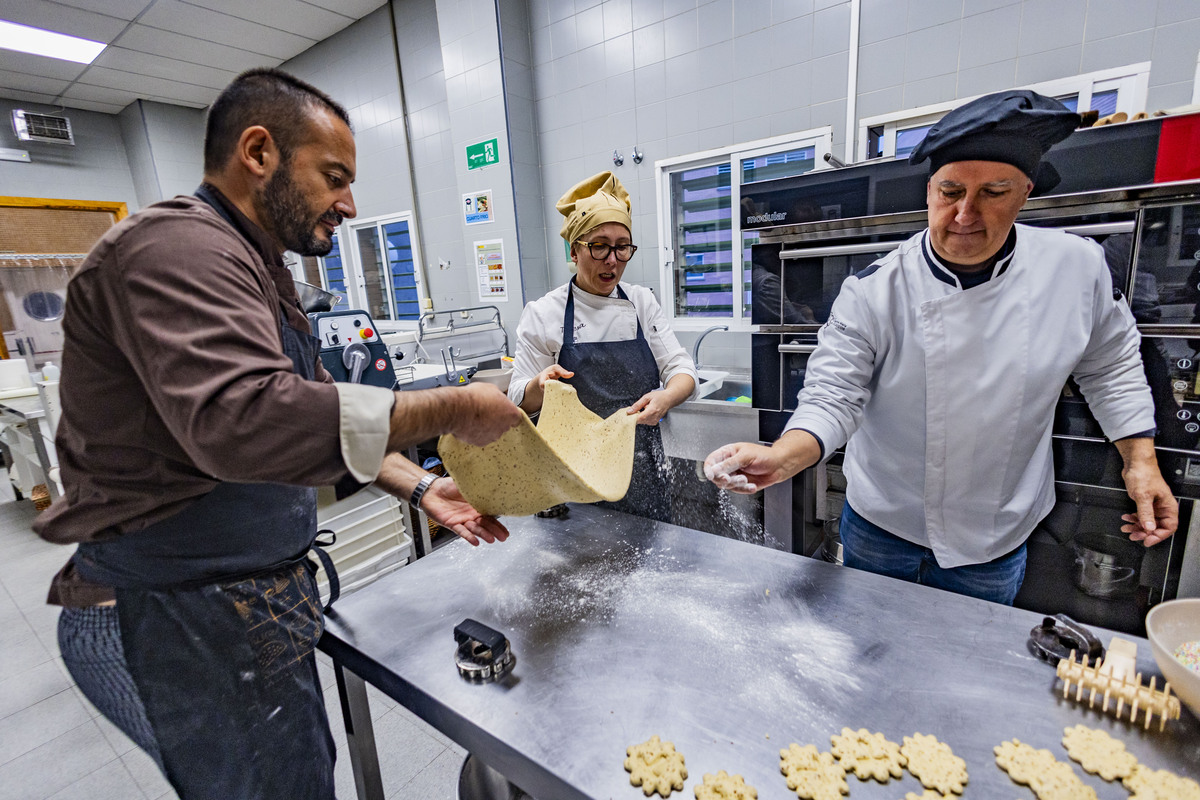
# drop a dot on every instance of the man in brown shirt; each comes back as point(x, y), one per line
point(195, 415)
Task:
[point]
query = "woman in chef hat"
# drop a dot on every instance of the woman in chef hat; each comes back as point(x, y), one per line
point(610, 340)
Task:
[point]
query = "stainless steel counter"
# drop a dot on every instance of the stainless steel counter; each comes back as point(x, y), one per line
point(625, 628)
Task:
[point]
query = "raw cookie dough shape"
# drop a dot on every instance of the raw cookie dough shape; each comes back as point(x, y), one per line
point(656, 767)
point(868, 755)
point(724, 786)
point(572, 455)
point(1049, 778)
point(1160, 784)
point(1099, 753)
point(813, 775)
point(934, 764)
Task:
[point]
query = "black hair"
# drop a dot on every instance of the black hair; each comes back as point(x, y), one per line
point(268, 97)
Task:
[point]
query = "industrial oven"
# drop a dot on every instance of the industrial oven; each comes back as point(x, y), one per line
point(1135, 190)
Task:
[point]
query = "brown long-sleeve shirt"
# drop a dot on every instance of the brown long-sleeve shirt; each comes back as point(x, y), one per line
point(174, 376)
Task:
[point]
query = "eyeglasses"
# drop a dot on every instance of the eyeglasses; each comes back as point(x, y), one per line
point(600, 250)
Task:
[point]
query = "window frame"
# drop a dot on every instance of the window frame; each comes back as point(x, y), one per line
point(820, 139)
point(356, 282)
point(1132, 83)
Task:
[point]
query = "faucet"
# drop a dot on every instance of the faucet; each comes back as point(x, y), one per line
point(700, 338)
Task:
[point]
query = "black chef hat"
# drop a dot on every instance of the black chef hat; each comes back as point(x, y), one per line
point(1015, 127)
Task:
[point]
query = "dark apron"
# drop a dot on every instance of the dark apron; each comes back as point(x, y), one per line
point(610, 376)
point(219, 615)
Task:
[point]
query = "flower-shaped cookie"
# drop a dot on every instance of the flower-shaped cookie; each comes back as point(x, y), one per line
point(813, 775)
point(934, 764)
point(1160, 784)
point(656, 767)
point(724, 786)
point(868, 755)
point(1099, 753)
point(1049, 778)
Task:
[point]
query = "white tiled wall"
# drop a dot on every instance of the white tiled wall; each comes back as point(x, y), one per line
point(96, 168)
point(173, 132)
point(164, 145)
point(357, 68)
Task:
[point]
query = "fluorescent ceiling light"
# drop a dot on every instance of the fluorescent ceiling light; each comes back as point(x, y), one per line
point(25, 39)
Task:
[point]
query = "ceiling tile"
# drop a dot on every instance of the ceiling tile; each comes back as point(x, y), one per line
point(351, 8)
point(188, 48)
point(145, 85)
point(100, 94)
point(63, 19)
point(294, 16)
point(28, 97)
point(173, 15)
point(91, 105)
point(30, 83)
point(175, 101)
point(160, 67)
point(121, 9)
point(28, 64)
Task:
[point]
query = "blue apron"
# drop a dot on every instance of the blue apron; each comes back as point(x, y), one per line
point(610, 376)
point(219, 615)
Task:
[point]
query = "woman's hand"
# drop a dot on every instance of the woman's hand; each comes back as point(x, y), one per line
point(654, 405)
point(446, 506)
point(535, 390)
point(651, 407)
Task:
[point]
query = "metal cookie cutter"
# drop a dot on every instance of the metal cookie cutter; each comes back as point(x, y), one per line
point(483, 653)
point(1059, 636)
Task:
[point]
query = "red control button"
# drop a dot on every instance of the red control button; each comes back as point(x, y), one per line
point(366, 333)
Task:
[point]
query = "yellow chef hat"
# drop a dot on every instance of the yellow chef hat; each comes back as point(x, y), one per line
point(593, 202)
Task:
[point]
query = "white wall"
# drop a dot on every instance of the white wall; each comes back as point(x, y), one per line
point(165, 147)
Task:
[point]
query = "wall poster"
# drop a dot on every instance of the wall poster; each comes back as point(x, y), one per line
point(477, 207)
point(489, 267)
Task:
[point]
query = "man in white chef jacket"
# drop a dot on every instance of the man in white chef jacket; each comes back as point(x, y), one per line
point(941, 364)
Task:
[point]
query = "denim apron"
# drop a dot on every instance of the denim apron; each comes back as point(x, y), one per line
point(610, 376)
point(219, 615)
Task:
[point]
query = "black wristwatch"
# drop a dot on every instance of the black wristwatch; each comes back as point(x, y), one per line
point(422, 487)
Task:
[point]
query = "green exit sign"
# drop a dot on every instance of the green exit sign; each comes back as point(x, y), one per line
point(483, 154)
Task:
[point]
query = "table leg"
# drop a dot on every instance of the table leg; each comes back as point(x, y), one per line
point(360, 734)
point(39, 445)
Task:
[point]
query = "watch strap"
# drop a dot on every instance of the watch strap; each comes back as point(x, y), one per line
point(422, 486)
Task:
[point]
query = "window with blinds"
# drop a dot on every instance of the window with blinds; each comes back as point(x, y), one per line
point(388, 258)
point(706, 253)
point(1105, 92)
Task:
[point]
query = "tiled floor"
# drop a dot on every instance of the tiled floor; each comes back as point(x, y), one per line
point(54, 745)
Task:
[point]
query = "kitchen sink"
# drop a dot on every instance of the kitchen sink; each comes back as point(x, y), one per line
point(695, 428)
point(716, 385)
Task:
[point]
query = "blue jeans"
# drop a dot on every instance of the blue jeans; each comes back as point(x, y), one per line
point(868, 547)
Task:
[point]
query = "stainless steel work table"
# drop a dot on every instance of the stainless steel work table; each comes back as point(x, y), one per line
point(624, 628)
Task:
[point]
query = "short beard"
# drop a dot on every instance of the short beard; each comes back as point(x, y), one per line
point(282, 206)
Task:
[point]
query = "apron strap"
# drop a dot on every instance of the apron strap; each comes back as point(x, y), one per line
point(318, 547)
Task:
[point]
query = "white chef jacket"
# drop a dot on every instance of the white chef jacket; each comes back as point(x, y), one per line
point(597, 319)
point(946, 396)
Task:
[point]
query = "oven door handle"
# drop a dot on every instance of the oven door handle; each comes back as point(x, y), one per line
point(797, 348)
point(1100, 228)
point(840, 250)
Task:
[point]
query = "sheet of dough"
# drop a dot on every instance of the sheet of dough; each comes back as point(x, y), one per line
point(571, 455)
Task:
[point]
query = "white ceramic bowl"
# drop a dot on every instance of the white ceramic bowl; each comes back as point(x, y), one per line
point(1169, 625)
point(497, 377)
